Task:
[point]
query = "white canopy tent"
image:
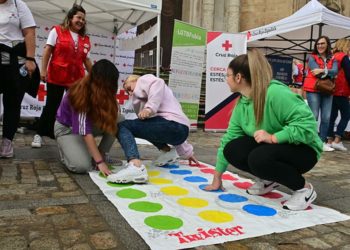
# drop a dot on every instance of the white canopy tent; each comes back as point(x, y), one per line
point(295, 35)
point(115, 16)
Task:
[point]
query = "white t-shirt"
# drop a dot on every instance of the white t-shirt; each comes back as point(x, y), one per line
point(52, 39)
point(12, 20)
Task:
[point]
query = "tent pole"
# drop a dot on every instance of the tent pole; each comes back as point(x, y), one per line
point(158, 46)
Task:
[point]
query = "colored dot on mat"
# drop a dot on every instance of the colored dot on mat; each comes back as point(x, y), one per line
point(243, 185)
point(170, 166)
point(160, 181)
point(181, 172)
point(229, 177)
point(216, 216)
point(259, 210)
point(233, 198)
point(192, 202)
point(272, 195)
point(163, 222)
point(112, 184)
point(174, 191)
point(145, 206)
point(208, 170)
point(203, 186)
point(102, 175)
point(131, 193)
point(195, 179)
point(153, 173)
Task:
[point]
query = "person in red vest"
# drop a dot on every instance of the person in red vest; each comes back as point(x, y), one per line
point(64, 57)
point(321, 64)
point(298, 73)
point(341, 95)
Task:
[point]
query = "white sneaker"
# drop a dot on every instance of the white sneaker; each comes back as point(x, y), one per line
point(262, 187)
point(166, 158)
point(339, 146)
point(130, 174)
point(301, 199)
point(37, 141)
point(327, 147)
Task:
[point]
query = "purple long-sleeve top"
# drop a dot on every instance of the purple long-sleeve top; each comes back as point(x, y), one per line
point(151, 92)
point(79, 122)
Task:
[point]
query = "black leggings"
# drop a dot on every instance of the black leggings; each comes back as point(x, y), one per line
point(282, 163)
point(48, 117)
point(12, 98)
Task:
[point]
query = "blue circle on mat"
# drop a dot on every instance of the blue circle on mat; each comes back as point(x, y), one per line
point(233, 198)
point(213, 191)
point(259, 210)
point(181, 172)
point(170, 166)
point(195, 179)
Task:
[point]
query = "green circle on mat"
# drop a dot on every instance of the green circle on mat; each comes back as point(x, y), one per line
point(163, 222)
point(113, 184)
point(131, 193)
point(145, 206)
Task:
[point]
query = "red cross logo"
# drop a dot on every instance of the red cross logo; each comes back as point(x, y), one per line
point(227, 45)
point(249, 35)
point(41, 93)
point(122, 96)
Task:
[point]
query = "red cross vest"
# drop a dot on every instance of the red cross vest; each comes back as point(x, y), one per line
point(310, 79)
point(66, 64)
point(299, 77)
point(341, 85)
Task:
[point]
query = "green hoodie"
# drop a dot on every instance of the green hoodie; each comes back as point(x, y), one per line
point(286, 115)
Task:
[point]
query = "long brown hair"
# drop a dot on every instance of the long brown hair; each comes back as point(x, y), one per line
point(257, 72)
point(95, 95)
point(73, 11)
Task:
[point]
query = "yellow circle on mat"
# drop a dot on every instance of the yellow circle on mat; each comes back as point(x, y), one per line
point(174, 191)
point(216, 216)
point(160, 181)
point(192, 202)
point(153, 173)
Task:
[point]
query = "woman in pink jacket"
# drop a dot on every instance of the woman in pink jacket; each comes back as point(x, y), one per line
point(160, 120)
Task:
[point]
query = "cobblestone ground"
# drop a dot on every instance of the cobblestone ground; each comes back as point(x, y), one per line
point(42, 206)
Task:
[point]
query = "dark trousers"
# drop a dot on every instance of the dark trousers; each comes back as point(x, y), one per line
point(12, 99)
point(282, 163)
point(54, 94)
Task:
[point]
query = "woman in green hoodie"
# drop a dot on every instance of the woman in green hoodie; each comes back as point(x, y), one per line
point(269, 126)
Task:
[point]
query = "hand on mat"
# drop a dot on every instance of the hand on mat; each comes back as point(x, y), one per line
point(216, 184)
point(104, 169)
point(145, 113)
point(263, 136)
point(192, 161)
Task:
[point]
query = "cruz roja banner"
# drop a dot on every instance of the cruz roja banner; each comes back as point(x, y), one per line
point(219, 100)
point(187, 60)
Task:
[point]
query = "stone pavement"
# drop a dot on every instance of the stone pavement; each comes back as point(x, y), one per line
point(42, 206)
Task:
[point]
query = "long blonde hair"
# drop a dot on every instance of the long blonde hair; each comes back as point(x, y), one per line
point(342, 45)
point(257, 72)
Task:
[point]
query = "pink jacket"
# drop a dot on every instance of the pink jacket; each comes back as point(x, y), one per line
point(151, 92)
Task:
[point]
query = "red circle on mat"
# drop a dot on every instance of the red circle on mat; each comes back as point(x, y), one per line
point(272, 195)
point(243, 185)
point(229, 177)
point(208, 170)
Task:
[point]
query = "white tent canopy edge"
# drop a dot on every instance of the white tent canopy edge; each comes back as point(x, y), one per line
point(295, 35)
point(115, 16)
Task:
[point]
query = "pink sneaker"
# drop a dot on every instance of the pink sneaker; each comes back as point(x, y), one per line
point(6, 149)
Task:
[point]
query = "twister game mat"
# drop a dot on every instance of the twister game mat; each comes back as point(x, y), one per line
point(173, 211)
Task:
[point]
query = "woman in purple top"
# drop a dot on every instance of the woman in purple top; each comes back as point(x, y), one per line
point(160, 120)
point(89, 103)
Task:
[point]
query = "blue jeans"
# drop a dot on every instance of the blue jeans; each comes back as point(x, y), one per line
point(157, 130)
point(323, 102)
point(341, 104)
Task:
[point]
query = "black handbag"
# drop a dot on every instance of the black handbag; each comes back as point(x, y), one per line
point(325, 86)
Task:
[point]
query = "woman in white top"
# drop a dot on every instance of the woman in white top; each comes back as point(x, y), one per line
point(17, 26)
